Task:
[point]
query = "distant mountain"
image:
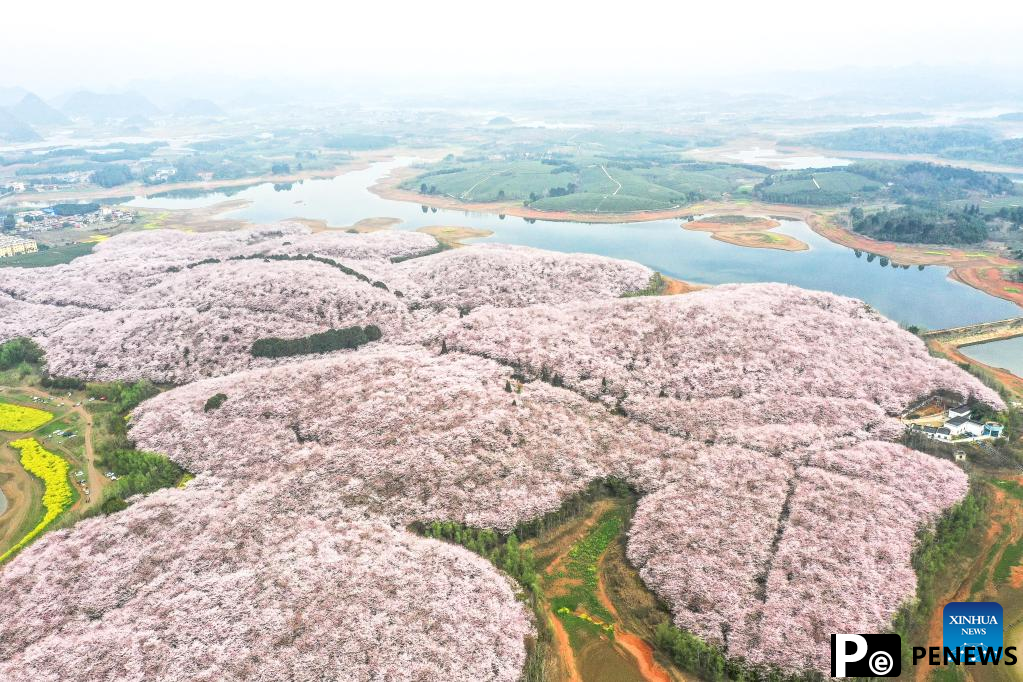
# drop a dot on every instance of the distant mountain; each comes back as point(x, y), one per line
point(35, 111)
point(102, 106)
point(198, 108)
point(13, 129)
point(9, 96)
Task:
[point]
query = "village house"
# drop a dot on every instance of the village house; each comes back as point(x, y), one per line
point(959, 426)
point(959, 411)
point(936, 433)
point(964, 426)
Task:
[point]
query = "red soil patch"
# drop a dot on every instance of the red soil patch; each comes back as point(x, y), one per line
point(635, 646)
point(1005, 511)
point(677, 286)
point(564, 649)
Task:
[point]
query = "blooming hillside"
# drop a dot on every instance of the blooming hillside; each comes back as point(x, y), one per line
point(130, 263)
point(514, 276)
point(201, 584)
point(769, 365)
point(202, 321)
point(755, 419)
point(408, 435)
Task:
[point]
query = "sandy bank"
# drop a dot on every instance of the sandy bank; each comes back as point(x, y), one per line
point(454, 237)
point(752, 232)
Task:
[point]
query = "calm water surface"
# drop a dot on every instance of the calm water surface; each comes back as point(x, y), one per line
point(911, 296)
point(1007, 354)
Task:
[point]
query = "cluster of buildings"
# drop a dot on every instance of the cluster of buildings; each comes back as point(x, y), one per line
point(53, 183)
point(958, 426)
point(161, 175)
point(46, 219)
point(11, 245)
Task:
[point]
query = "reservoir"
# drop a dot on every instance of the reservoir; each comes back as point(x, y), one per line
point(925, 297)
point(1006, 354)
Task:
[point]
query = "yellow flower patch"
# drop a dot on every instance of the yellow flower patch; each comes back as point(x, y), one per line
point(57, 495)
point(18, 418)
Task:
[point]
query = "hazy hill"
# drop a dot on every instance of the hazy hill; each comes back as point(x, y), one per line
point(34, 111)
point(100, 106)
point(9, 96)
point(198, 108)
point(12, 129)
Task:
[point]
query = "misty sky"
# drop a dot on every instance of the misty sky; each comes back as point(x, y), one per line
point(55, 46)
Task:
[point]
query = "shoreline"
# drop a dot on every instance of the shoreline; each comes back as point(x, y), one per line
point(136, 189)
point(978, 268)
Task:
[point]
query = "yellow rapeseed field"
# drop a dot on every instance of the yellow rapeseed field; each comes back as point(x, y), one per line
point(18, 418)
point(57, 496)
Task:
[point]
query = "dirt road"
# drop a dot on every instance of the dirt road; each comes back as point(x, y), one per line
point(95, 479)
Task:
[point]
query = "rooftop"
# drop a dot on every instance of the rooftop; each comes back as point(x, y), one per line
point(10, 240)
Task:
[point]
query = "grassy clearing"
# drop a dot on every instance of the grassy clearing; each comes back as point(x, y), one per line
point(1011, 557)
point(577, 603)
point(815, 187)
point(1011, 487)
point(55, 255)
point(154, 221)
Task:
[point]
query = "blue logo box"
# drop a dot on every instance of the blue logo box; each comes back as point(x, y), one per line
point(973, 624)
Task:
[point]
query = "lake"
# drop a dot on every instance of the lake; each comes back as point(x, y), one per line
point(924, 297)
point(1007, 354)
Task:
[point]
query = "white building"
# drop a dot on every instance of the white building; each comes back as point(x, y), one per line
point(933, 433)
point(964, 426)
point(960, 411)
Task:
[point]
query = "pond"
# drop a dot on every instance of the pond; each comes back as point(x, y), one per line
point(1006, 354)
point(925, 297)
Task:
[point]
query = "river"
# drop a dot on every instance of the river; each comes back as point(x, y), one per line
point(924, 297)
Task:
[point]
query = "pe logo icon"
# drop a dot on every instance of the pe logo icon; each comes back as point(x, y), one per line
point(971, 627)
point(866, 655)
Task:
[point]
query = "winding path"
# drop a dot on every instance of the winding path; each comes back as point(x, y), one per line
point(468, 192)
point(617, 190)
